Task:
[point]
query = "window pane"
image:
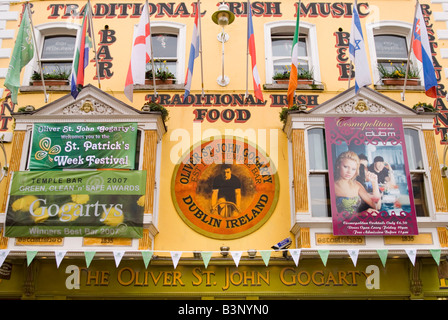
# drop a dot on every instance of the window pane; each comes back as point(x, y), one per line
point(164, 46)
point(57, 68)
point(62, 47)
point(418, 188)
point(282, 65)
point(317, 150)
point(414, 152)
point(391, 47)
point(282, 47)
point(320, 201)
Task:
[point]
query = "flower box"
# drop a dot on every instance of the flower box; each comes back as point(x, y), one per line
point(299, 81)
point(50, 82)
point(400, 82)
point(160, 81)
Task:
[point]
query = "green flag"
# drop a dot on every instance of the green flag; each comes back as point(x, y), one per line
point(22, 54)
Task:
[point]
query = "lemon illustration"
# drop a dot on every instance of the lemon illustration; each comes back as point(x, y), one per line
point(114, 218)
point(39, 216)
point(141, 201)
point(68, 212)
point(80, 198)
point(24, 203)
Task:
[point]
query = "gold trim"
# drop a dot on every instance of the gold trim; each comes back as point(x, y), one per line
point(436, 175)
point(145, 242)
point(149, 164)
point(304, 240)
point(299, 169)
point(443, 236)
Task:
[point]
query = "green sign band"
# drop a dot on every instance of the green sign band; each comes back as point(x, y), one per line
point(76, 203)
point(83, 145)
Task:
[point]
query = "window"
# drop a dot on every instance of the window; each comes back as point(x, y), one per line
point(417, 171)
point(318, 174)
point(278, 47)
point(57, 54)
point(168, 47)
point(56, 42)
point(389, 46)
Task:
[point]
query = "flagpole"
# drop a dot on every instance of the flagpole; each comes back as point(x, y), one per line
point(94, 44)
point(247, 53)
point(350, 73)
point(152, 54)
point(409, 53)
point(37, 51)
point(198, 7)
point(298, 36)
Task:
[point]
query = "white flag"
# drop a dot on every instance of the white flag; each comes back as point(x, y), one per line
point(59, 255)
point(295, 254)
point(236, 255)
point(353, 253)
point(412, 254)
point(141, 54)
point(358, 54)
point(175, 256)
point(3, 255)
point(118, 255)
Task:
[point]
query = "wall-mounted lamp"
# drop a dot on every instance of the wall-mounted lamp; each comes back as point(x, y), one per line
point(224, 251)
point(252, 253)
point(223, 17)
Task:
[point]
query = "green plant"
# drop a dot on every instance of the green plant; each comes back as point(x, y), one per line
point(397, 72)
point(301, 74)
point(153, 106)
point(284, 112)
point(162, 71)
point(57, 74)
point(423, 106)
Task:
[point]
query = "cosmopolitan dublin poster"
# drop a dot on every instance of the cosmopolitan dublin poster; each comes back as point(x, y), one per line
point(370, 186)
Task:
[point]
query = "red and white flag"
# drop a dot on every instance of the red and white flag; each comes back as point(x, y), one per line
point(141, 54)
point(251, 46)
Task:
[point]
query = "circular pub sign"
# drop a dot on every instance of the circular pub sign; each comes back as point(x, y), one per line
point(225, 188)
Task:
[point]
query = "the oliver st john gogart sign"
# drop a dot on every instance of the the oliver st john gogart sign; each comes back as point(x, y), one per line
point(225, 189)
point(76, 203)
point(83, 145)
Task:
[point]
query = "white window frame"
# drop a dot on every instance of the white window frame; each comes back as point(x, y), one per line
point(304, 28)
point(389, 27)
point(46, 30)
point(180, 30)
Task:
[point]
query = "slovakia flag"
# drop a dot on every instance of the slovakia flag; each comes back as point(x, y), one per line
point(422, 51)
point(251, 45)
point(194, 53)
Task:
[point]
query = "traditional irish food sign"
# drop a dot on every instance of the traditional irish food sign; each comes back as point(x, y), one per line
point(225, 188)
point(83, 145)
point(76, 204)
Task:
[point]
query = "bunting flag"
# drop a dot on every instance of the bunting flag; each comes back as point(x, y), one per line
point(422, 51)
point(118, 255)
point(295, 254)
point(194, 53)
point(412, 254)
point(3, 254)
point(146, 255)
point(436, 255)
point(22, 53)
point(89, 257)
point(266, 255)
point(383, 255)
point(175, 256)
point(30, 256)
point(251, 46)
point(206, 256)
point(324, 256)
point(293, 76)
point(357, 51)
point(59, 255)
point(140, 55)
point(81, 59)
point(353, 253)
point(236, 255)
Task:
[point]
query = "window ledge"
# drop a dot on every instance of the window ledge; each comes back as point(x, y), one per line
point(161, 87)
point(399, 88)
point(284, 87)
point(41, 88)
